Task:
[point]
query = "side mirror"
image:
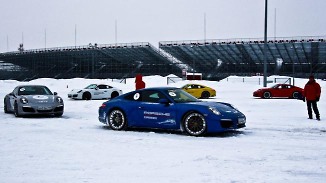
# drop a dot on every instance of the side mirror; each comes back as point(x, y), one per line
point(55, 93)
point(96, 88)
point(164, 101)
point(11, 94)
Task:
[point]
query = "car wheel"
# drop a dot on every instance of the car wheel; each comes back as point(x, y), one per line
point(16, 111)
point(195, 124)
point(295, 95)
point(87, 96)
point(117, 120)
point(205, 94)
point(114, 94)
point(267, 95)
point(5, 107)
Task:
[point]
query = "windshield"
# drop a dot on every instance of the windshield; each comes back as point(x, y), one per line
point(180, 96)
point(34, 90)
point(92, 86)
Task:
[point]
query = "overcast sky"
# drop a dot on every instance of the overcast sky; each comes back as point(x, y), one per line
point(45, 23)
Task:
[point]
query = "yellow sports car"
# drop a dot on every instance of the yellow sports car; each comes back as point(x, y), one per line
point(199, 91)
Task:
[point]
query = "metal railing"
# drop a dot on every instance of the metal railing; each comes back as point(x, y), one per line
point(82, 47)
point(244, 40)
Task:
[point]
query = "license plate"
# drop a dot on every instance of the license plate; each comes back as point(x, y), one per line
point(44, 108)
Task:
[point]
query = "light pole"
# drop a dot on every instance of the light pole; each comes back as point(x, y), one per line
point(294, 50)
point(265, 47)
point(293, 71)
point(193, 66)
point(193, 69)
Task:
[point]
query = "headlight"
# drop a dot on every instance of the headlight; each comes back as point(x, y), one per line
point(59, 100)
point(79, 91)
point(23, 100)
point(103, 106)
point(214, 110)
point(241, 120)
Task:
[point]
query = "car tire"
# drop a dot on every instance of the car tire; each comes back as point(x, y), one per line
point(5, 107)
point(295, 95)
point(87, 96)
point(16, 111)
point(114, 94)
point(58, 114)
point(267, 95)
point(205, 95)
point(117, 120)
point(195, 124)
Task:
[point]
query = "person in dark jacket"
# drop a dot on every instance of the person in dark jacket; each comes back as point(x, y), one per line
point(312, 93)
point(140, 84)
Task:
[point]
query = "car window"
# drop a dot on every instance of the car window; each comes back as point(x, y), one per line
point(180, 96)
point(102, 87)
point(34, 90)
point(151, 96)
point(133, 96)
point(92, 86)
point(286, 86)
point(194, 86)
point(187, 86)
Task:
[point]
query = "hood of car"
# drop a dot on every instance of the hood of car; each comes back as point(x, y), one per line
point(79, 90)
point(220, 106)
point(40, 98)
point(262, 89)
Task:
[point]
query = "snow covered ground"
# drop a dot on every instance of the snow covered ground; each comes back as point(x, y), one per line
point(279, 143)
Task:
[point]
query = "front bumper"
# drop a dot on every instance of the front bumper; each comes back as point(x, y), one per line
point(258, 93)
point(226, 123)
point(73, 96)
point(42, 109)
point(233, 124)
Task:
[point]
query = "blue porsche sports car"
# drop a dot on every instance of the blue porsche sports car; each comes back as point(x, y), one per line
point(169, 108)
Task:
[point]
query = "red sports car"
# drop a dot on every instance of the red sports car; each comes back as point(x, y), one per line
point(280, 91)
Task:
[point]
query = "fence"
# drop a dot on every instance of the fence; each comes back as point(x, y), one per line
point(173, 80)
point(120, 80)
point(260, 80)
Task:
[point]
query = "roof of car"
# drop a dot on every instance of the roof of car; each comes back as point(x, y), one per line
point(159, 88)
point(30, 85)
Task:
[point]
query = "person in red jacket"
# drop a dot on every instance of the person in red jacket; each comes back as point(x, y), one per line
point(312, 94)
point(139, 82)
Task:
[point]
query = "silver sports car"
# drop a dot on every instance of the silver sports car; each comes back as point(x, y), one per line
point(33, 99)
point(95, 91)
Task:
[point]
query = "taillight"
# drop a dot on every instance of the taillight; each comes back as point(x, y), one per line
point(103, 105)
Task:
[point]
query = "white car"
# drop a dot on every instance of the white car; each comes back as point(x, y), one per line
point(95, 91)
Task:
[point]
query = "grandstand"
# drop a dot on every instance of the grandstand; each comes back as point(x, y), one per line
point(215, 59)
point(90, 61)
point(298, 57)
